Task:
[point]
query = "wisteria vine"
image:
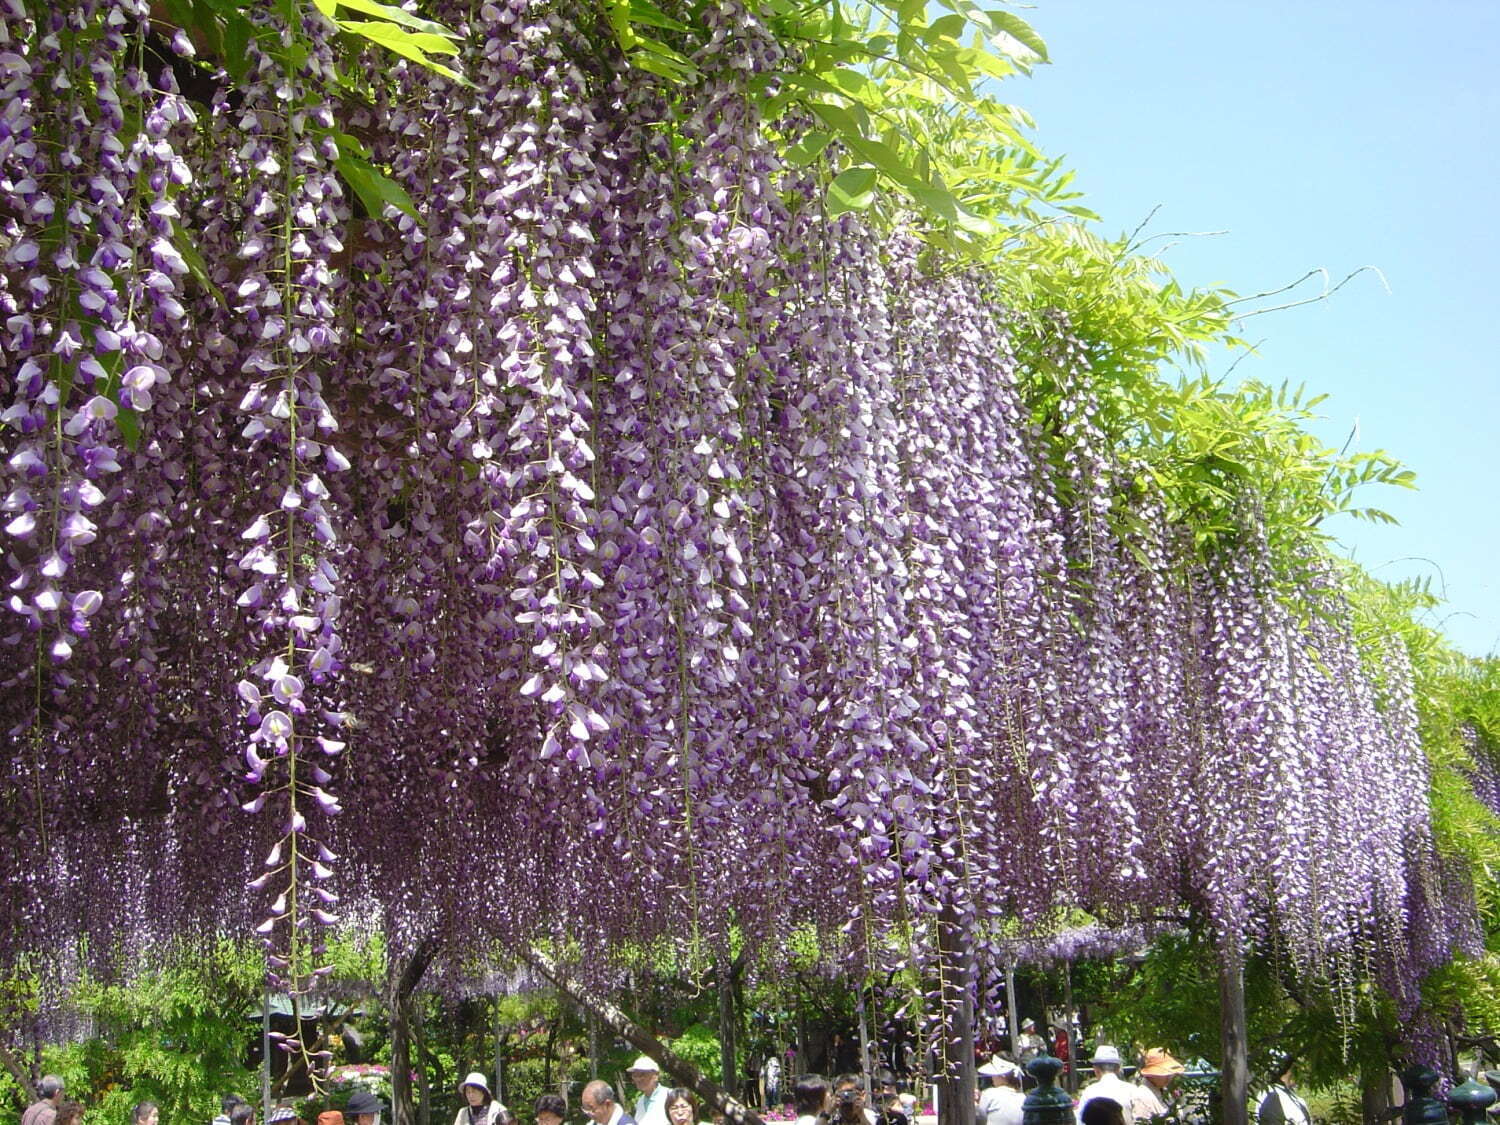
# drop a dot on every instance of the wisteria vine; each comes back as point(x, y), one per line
point(613, 509)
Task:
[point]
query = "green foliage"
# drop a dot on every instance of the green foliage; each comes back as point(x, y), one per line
point(176, 1035)
point(699, 1045)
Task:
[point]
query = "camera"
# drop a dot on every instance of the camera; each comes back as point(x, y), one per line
point(847, 1097)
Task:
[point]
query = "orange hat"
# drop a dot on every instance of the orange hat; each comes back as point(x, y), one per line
point(330, 1117)
point(1159, 1064)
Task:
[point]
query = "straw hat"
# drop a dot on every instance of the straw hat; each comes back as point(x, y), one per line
point(1159, 1064)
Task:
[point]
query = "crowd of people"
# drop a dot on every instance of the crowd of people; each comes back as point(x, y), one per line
point(1107, 1099)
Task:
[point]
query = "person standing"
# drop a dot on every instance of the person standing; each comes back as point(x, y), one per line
point(69, 1113)
point(480, 1106)
point(1108, 1083)
point(682, 1107)
point(1282, 1105)
point(1002, 1103)
point(651, 1106)
point(145, 1113)
point(226, 1107)
point(364, 1108)
point(550, 1109)
point(812, 1099)
point(1104, 1111)
point(1029, 1045)
point(770, 1081)
point(1156, 1074)
point(598, 1101)
point(43, 1111)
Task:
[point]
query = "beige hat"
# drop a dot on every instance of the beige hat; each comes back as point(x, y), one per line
point(1000, 1068)
point(644, 1064)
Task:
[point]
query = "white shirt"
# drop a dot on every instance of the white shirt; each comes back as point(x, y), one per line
point(651, 1109)
point(487, 1116)
point(1148, 1103)
point(1293, 1109)
point(1109, 1086)
point(1001, 1105)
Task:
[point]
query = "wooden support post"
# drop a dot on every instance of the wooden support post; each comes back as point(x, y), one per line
point(1012, 1011)
point(728, 1025)
point(1072, 1079)
point(1234, 1078)
point(265, 1054)
point(956, 1082)
point(401, 985)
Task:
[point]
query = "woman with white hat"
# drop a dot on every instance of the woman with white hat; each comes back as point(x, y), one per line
point(480, 1106)
point(1001, 1104)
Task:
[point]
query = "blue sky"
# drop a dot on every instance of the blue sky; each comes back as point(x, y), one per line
point(1335, 135)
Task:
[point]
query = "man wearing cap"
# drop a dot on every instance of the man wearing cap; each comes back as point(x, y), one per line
point(481, 1108)
point(364, 1108)
point(1029, 1044)
point(1108, 1083)
point(651, 1106)
point(1156, 1073)
point(1001, 1104)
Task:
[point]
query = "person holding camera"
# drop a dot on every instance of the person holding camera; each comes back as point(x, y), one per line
point(849, 1106)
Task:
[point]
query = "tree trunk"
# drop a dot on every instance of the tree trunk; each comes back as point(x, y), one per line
point(593, 1046)
point(428, 1064)
point(728, 1069)
point(499, 1054)
point(956, 1082)
point(23, 1080)
point(1071, 1078)
point(1234, 1080)
point(735, 1112)
point(1012, 1010)
point(548, 1054)
point(401, 984)
point(1374, 1093)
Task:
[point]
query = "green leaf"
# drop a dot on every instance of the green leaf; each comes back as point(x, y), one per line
point(664, 62)
point(852, 190)
point(237, 36)
point(391, 13)
point(939, 203)
point(418, 43)
point(328, 7)
point(808, 149)
point(643, 11)
point(374, 188)
point(197, 267)
point(1006, 32)
point(1012, 25)
point(128, 423)
point(847, 121)
point(885, 158)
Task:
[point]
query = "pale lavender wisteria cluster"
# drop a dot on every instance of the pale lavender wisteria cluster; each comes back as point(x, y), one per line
point(617, 520)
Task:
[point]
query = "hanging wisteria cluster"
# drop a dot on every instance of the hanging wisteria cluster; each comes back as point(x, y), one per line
point(614, 545)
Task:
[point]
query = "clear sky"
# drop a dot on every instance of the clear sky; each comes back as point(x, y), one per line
point(1328, 133)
